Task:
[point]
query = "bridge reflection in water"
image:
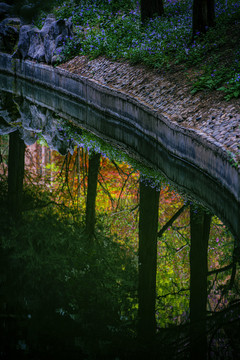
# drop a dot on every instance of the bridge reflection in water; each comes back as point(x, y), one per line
point(110, 247)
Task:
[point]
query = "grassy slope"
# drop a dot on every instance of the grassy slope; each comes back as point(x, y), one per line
point(212, 60)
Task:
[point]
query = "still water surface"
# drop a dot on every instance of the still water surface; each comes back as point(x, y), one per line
point(102, 256)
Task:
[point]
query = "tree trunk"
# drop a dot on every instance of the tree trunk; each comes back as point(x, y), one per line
point(203, 16)
point(200, 227)
point(151, 8)
point(78, 174)
point(148, 225)
point(93, 168)
point(16, 159)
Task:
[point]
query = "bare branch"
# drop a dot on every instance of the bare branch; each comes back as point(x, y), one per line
point(123, 187)
point(119, 169)
point(217, 271)
point(105, 189)
point(172, 294)
point(171, 221)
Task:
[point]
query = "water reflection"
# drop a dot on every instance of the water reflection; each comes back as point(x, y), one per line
point(101, 260)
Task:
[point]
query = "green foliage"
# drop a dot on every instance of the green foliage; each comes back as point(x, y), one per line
point(220, 254)
point(232, 89)
point(173, 266)
point(211, 79)
point(53, 274)
point(114, 29)
point(119, 5)
point(71, 49)
point(116, 33)
point(215, 75)
point(233, 158)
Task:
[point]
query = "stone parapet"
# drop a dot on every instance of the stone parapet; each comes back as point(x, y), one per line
point(190, 145)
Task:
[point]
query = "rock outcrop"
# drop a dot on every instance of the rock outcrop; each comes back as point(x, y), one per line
point(9, 34)
point(44, 45)
point(32, 121)
point(29, 42)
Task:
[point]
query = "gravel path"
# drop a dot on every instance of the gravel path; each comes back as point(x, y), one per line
point(207, 112)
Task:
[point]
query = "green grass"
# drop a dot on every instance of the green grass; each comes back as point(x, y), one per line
point(109, 29)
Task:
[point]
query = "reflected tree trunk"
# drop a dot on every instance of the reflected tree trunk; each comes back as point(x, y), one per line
point(16, 159)
point(148, 226)
point(200, 227)
point(78, 173)
point(93, 168)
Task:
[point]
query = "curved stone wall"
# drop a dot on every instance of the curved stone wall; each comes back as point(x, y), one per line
point(187, 144)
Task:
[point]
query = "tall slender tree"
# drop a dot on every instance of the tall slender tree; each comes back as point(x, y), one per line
point(200, 227)
point(151, 8)
point(93, 168)
point(148, 224)
point(16, 161)
point(203, 16)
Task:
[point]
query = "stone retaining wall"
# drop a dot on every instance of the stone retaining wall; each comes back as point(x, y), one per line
point(187, 144)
